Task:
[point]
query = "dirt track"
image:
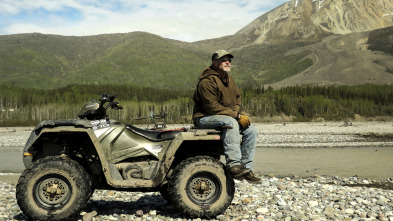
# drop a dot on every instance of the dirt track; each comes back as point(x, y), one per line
point(342, 60)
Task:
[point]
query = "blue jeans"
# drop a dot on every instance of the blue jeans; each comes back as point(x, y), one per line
point(239, 144)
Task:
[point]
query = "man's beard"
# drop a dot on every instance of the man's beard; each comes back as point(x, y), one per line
point(227, 69)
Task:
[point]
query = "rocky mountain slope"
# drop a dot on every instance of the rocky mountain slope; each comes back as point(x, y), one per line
point(313, 19)
point(345, 60)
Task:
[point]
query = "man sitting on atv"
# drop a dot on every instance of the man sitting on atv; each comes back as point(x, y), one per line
point(217, 104)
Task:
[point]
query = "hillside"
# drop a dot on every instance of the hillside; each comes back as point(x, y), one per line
point(143, 59)
point(325, 42)
point(352, 59)
point(50, 61)
point(37, 60)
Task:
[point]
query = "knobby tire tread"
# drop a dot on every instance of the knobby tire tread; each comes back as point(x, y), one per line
point(176, 196)
point(79, 178)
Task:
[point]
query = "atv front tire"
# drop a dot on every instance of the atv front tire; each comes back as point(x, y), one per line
point(164, 192)
point(201, 188)
point(53, 188)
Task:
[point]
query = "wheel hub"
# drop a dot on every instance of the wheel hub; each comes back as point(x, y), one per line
point(52, 191)
point(202, 188)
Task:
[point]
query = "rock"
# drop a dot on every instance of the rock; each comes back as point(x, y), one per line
point(303, 217)
point(260, 218)
point(372, 215)
point(262, 211)
point(123, 218)
point(139, 213)
point(349, 211)
point(329, 212)
point(246, 200)
point(89, 216)
point(281, 202)
point(221, 217)
point(112, 218)
point(363, 215)
point(313, 203)
point(281, 187)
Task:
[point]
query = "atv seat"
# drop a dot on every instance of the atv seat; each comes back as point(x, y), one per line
point(155, 136)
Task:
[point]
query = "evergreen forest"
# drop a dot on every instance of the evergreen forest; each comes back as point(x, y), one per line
point(28, 106)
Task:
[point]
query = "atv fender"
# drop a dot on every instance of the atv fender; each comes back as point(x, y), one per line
point(111, 174)
point(63, 127)
point(47, 126)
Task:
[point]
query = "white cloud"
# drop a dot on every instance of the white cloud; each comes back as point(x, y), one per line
point(178, 19)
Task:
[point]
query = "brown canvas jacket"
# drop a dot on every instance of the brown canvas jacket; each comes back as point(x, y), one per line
point(213, 97)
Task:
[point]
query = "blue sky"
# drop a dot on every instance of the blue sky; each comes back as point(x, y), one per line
point(183, 20)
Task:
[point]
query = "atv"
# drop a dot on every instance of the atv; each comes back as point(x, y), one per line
point(66, 160)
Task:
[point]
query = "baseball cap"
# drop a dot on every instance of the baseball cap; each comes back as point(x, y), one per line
point(220, 53)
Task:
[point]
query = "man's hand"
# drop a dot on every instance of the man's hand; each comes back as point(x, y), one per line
point(244, 122)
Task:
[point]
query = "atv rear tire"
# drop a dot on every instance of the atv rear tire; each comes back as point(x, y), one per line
point(201, 188)
point(53, 188)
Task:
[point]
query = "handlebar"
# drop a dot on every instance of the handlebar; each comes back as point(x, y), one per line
point(114, 105)
point(111, 103)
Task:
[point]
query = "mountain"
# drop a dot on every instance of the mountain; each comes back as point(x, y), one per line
point(324, 42)
point(352, 59)
point(315, 19)
point(342, 39)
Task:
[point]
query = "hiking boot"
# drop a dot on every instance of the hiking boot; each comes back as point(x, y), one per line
point(238, 171)
point(252, 178)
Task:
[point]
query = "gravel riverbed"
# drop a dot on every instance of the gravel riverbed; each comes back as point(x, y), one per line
point(322, 134)
point(277, 198)
point(287, 198)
